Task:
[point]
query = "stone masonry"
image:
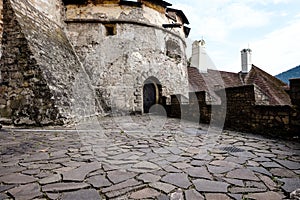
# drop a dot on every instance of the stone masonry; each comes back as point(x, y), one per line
point(62, 61)
point(120, 62)
point(42, 80)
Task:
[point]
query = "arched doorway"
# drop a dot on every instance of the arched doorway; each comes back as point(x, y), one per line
point(151, 93)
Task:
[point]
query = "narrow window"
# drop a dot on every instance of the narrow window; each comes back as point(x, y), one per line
point(111, 29)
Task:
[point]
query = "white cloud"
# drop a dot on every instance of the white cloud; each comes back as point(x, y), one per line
point(279, 50)
point(240, 15)
point(270, 26)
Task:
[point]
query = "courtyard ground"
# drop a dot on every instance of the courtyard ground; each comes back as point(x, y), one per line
point(145, 157)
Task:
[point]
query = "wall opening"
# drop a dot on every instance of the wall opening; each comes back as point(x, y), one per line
point(111, 29)
point(152, 92)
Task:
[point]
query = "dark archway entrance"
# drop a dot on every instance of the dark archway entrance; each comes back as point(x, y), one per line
point(151, 93)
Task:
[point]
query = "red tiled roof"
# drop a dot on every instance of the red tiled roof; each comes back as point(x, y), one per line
point(213, 79)
point(272, 87)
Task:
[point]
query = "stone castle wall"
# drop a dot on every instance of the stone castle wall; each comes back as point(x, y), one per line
point(41, 76)
point(119, 62)
point(61, 62)
point(243, 113)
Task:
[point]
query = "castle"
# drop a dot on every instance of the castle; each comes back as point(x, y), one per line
point(63, 59)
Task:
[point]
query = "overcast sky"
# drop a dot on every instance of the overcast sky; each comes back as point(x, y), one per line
point(271, 28)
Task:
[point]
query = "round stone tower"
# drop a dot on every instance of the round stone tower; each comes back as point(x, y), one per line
point(133, 51)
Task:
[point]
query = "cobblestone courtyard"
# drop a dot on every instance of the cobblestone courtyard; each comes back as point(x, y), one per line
point(116, 158)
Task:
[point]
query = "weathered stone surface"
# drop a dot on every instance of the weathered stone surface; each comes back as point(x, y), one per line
point(218, 169)
point(244, 174)
point(119, 176)
point(198, 162)
point(210, 186)
point(24, 192)
point(261, 159)
point(17, 179)
point(270, 164)
point(268, 182)
point(99, 181)
point(36, 157)
point(53, 196)
point(238, 160)
point(260, 170)
point(199, 172)
point(265, 196)
point(290, 184)
point(128, 183)
point(236, 196)
point(244, 190)
point(148, 178)
point(288, 164)
point(60, 187)
point(217, 197)
point(178, 195)
point(282, 172)
point(174, 150)
point(10, 170)
point(3, 196)
point(193, 195)
point(146, 165)
point(81, 172)
point(177, 179)
point(236, 182)
point(144, 193)
point(167, 188)
point(125, 191)
point(5, 187)
point(181, 165)
point(90, 194)
point(223, 163)
point(51, 179)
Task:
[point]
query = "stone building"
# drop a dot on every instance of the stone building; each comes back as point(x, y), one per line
point(64, 59)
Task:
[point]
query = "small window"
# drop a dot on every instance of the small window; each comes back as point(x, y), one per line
point(131, 2)
point(111, 29)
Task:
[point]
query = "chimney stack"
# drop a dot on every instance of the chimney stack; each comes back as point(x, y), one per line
point(246, 60)
point(199, 56)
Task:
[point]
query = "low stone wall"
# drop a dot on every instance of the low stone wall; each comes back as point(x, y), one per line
point(242, 113)
point(271, 119)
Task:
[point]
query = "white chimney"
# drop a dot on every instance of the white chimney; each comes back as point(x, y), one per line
point(246, 60)
point(199, 56)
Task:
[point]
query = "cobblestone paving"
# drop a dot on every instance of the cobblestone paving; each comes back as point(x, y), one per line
point(120, 159)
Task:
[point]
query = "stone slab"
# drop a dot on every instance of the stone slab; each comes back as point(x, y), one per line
point(244, 174)
point(203, 185)
point(214, 196)
point(144, 194)
point(61, 187)
point(26, 192)
point(178, 179)
point(265, 196)
point(90, 194)
point(199, 172)
point(193, 195)
point(118, 176)
point(98, 181)
point(17, 178)
point(81, 172)
point(166, 188)
point(290, 184)
point(148, 178)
